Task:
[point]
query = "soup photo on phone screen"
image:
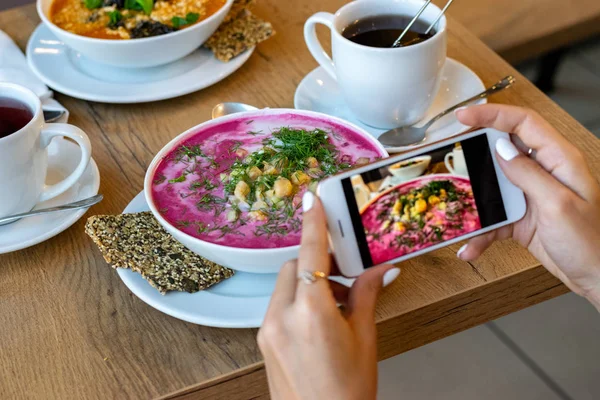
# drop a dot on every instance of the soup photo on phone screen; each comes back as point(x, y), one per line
point(407, 206)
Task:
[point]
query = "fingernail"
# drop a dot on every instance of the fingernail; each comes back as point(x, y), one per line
point(506, 149)
point(461, 250)
point(460, 108)
point(308, 200)
point(390, 276)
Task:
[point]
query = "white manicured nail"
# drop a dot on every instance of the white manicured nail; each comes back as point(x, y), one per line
point(390, 276)
point(460, 108)
point(461, 250)
point(308, 200)
point(506, 149)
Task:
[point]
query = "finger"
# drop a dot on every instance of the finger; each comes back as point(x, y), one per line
point(528, 175)
point(340, 292)
point(314, 255)
point(285, 290)
point(479, 244)
point(553, 151)
point(364, 293)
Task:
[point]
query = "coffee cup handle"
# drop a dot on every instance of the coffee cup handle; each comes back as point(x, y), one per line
point(312, 41)
point(447, 162)
point(48, 133)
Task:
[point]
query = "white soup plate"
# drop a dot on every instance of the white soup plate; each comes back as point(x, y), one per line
point(72, 73)
point(238, 302)
point(63, 157)
point(319, 92)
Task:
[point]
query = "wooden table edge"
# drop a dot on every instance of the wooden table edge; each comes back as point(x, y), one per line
point(493, 300)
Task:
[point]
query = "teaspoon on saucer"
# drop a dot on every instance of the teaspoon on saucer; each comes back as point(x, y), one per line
point(90, 201)
point(412, 135)
point(223, 109)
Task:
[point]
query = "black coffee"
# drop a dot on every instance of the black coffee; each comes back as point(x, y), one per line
point(383, 30)
point(14, 115)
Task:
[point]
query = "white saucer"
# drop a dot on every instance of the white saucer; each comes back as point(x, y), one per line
point(63, 157)
point(238, 302)
point(70, 73)
point(319, 92)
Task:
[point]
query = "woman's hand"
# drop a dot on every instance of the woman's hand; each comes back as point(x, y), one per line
point(312, 350)
point(562, 225)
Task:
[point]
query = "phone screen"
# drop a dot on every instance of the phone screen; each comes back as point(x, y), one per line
point(439, 195)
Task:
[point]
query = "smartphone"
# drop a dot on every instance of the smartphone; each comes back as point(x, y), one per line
point(407, 205)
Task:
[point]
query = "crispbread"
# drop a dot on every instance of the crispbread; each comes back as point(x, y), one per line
point(235, 37)
point(138, 242)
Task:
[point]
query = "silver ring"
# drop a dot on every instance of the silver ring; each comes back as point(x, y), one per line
point(310, 277)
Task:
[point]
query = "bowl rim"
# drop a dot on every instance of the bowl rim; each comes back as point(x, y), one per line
point(209, 123)
point(46, 20)
point(418, 159)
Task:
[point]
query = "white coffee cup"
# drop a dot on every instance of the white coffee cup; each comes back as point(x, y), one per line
point(384, 88)
point(458, 165)
point(24, 156)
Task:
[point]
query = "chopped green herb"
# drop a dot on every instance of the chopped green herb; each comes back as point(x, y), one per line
point(91, 4)
point(189, 19)
point(179, 179)
point(115, 17)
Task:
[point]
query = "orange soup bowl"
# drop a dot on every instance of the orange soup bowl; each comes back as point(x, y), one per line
point(138, 53)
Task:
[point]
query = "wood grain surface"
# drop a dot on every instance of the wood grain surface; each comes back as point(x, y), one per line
point(71, 329)
point(524, 29)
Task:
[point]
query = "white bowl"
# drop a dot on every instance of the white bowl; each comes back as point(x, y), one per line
point(241, 259)
point(138, 53)
point(412, 171)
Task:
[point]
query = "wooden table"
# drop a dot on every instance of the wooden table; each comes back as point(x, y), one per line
point(69, 328)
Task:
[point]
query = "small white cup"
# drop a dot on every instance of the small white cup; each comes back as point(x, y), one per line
point(24, 157)
point(459, 165)
point(384, 88)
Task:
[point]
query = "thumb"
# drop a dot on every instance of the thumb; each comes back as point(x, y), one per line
point(529, 176)
point(364, 293)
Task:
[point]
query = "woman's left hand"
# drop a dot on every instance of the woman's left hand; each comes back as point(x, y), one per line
point(313, 350)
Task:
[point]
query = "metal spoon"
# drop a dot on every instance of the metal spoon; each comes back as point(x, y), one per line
point(438, 17)
point(72, 206)
point(411, 135)
point(223, 109)
point(410, 24)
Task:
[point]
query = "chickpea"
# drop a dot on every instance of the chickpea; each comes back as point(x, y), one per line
point(241, 153)
point(397, 207)
point(259, 205)
point(312, 162)
point(254, 173)
point(283, 187)
point(299, 178)
point(362, 161)
point(232, 215)
point(399, 227)
point(433, 200)
point(270, 170)
point(257, 216)
point(420, 206)
point(241, 190)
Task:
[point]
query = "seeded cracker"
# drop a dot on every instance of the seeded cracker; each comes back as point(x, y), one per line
point(237, 36)
point(138, 242)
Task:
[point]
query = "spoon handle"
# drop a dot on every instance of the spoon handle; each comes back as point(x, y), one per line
point(72, 206)
point(501, 85)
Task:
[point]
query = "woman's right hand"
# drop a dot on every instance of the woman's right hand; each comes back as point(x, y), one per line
point(562, 225)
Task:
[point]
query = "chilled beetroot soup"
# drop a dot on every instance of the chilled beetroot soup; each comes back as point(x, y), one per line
point(240, 183)
point(419, 214)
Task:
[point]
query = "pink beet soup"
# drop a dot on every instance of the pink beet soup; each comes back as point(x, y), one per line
point(419, 214)
point(240, 183)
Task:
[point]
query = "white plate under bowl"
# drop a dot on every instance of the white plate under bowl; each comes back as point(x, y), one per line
point(238, 302)
point(63, 157)
point(68, 72)
point(320, 92)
